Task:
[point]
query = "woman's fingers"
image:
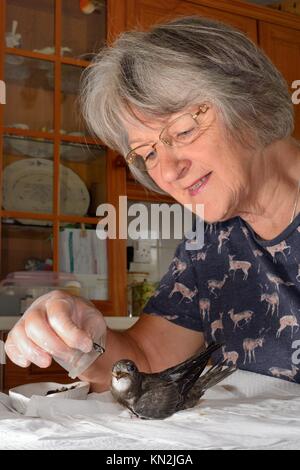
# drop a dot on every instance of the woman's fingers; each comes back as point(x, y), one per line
point(20, 347)
point(15, 354)
point(55, 325)
point(38, 330)
point(94, 324)
point(60, 313)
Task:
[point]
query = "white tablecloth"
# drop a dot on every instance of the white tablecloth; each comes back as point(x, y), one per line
point(245, 411)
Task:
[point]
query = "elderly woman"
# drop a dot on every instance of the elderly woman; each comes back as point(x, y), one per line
point(200, 113)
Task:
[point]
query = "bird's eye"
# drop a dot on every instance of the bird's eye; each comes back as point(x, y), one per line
point(130, 367)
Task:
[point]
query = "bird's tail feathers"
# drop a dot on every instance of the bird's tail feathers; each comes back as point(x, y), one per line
point(215, 374)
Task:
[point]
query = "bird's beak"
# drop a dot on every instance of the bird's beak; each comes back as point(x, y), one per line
point(118, 375)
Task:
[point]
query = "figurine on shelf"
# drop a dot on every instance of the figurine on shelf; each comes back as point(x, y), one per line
point(89, 6)
point(35, 264)
point(13, 39)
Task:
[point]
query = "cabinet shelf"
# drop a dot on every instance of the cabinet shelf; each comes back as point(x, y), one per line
point(48, 57)
point(72, 219)
point(9, 225)
point(29, 133)
point(70, 149)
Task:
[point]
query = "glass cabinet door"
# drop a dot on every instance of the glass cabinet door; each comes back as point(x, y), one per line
point(27, 175)
point(30, 25)
point(83, 27)
point(71, 120)
point(26, 245)
point(82, 178)
point(26, 263)
point(54, 174)
point(29, 93)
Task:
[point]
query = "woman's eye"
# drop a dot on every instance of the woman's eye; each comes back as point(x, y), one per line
point(150, 155)
point(186, 133)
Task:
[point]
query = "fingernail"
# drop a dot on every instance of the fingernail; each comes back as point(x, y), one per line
point(38, 359)
point(21, 361)
point(43, 362)
point(86, 345)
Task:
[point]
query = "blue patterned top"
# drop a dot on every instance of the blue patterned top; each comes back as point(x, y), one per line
point(242, 291)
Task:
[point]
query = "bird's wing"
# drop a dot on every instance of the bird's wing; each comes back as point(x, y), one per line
point(198, 361)
point(157, 402)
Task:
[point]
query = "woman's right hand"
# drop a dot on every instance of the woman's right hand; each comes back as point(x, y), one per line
point(56, 324)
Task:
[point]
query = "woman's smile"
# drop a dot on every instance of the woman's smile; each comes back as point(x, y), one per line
point(199, 184)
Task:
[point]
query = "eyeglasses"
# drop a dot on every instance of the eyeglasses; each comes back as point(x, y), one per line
point(182, 131)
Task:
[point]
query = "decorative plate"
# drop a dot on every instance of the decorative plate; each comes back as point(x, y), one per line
point(28, 186)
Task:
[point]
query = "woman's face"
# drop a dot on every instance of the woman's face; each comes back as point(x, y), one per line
point(225, 165)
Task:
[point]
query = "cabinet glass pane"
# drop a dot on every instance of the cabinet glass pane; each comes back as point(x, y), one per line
point(84, 255)
point(27, 175)
point(30, 24)
point(29, 93)
point(91, 25)
point(26, 246)
point(82, 179)
point(26, 263)
point(71, 120)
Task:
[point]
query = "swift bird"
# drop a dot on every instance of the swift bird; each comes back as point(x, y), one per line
point(159, 395)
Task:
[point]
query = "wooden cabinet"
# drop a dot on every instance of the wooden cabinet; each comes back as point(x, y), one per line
point(147, 12)
point(282, 45)
point(278, 33)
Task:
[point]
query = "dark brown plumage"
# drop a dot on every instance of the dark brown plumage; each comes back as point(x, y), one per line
point(159, 395)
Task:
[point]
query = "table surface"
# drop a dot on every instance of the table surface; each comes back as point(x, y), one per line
point(245, 411)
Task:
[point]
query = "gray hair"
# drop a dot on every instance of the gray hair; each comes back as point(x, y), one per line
point(186, 61)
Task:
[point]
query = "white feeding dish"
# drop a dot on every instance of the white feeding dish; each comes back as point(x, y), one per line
point(20, 396)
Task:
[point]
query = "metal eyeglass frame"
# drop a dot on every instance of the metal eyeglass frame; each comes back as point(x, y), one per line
point(132, 155)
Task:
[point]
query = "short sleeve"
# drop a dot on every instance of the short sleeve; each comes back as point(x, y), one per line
point(177, 297)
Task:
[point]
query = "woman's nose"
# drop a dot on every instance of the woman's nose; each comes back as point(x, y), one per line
point(173, 166)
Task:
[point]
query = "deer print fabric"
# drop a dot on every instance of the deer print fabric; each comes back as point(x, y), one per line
point(241, 291)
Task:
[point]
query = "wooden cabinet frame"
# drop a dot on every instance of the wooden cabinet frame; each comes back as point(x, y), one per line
point(235, 7)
